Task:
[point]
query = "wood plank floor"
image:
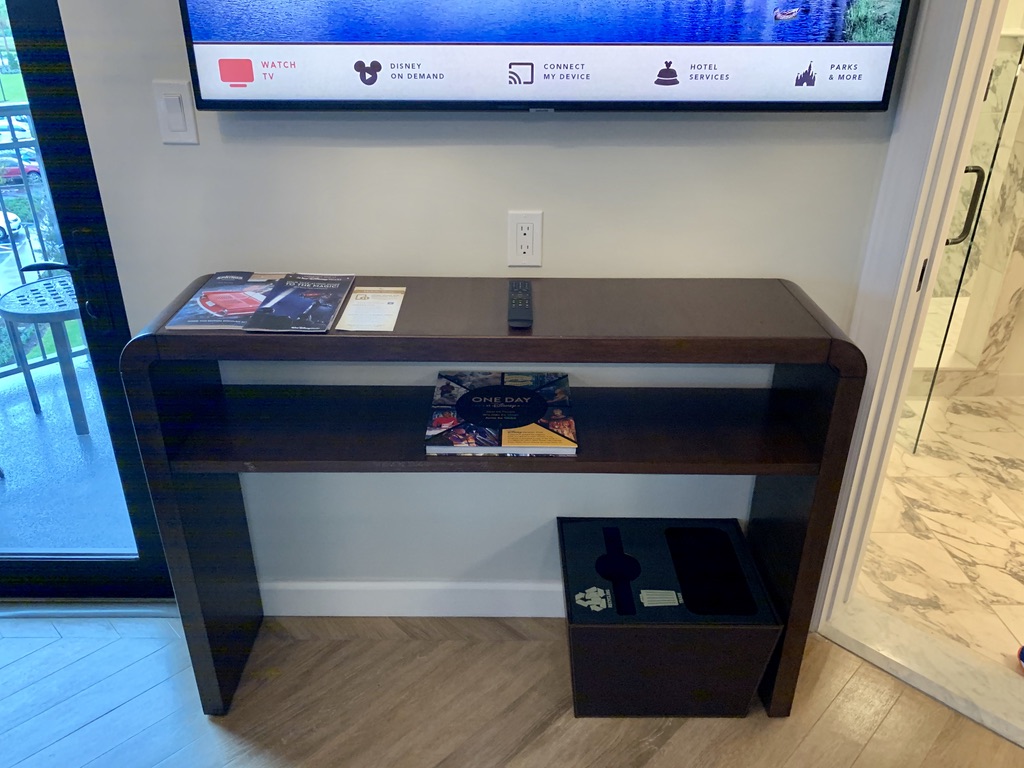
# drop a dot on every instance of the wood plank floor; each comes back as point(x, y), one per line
point(391, 693)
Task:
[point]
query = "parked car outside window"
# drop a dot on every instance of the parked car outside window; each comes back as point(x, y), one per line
point(12, 227)
point(28, 154)
point(18, 126)
point(10, 170)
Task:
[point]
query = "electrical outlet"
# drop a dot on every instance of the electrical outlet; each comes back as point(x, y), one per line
point(524, 242)
point(524, 238)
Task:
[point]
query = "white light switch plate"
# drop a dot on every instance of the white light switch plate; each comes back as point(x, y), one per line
point(175, 111)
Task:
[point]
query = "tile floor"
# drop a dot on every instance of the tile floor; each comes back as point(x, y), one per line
point(946, 552)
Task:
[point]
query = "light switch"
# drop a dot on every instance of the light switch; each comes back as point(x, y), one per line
point(175, 111)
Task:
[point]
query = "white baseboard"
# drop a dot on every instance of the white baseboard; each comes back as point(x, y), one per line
point(413, 598)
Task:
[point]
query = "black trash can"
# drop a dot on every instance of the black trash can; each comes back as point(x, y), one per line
point(666, 617)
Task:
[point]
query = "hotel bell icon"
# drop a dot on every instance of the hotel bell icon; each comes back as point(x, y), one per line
point(667, 76)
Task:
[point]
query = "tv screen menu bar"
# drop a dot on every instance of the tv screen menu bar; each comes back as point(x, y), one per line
point(556, 73)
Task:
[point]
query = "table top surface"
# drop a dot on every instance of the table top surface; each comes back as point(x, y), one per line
point(51, 298)
point(701, 320)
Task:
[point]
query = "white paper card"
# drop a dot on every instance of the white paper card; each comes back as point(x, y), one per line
point(371, 309)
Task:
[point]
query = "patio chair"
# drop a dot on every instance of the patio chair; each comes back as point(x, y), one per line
point(50, 299)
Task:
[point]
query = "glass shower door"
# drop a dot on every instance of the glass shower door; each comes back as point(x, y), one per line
point(950, 356)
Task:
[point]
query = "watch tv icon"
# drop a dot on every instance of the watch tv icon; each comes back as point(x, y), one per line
point(237, 73)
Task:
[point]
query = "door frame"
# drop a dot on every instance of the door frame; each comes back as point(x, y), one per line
point(60, 130)
point(932, 133)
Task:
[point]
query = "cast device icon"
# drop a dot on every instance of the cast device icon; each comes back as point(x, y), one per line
point(520, 73)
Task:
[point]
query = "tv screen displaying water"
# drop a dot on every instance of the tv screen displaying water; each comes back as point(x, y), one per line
point(538, 54)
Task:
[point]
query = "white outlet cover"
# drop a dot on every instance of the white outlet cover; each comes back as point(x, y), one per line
point(525, 217)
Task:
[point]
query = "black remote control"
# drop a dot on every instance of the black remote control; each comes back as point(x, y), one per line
point(520, 304)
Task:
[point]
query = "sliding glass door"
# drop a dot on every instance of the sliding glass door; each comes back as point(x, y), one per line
point(75, 515)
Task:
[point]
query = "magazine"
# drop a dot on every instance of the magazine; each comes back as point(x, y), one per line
point(226, 300)
point(302, 302)
point(501, 414)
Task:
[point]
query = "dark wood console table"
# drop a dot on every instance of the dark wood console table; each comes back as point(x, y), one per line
point(197, 434)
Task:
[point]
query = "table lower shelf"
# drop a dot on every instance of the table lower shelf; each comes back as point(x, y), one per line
point(381, 429)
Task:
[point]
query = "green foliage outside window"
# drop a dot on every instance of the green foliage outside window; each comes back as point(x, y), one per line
point(31, 343)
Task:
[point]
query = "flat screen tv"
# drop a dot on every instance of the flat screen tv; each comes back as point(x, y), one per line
point(544, 54)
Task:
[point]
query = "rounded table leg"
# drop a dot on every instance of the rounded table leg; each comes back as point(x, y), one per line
point(67, 371)
point(22, 361)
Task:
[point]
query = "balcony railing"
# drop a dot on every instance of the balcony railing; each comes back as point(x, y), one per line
point(28, 229)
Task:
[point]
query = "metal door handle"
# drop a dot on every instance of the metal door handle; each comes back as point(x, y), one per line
point(972, 208)
point(89, 284)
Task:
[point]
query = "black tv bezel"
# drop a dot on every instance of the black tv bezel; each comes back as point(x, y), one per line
point(899, 45)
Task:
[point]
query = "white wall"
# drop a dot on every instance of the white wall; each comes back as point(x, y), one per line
point(1011, 367)
point(1014, 15)
point(650, 195)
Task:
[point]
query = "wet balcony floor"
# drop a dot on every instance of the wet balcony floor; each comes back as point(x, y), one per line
point(62, 493)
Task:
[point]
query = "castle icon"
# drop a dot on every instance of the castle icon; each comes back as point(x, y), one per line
point(806, 77)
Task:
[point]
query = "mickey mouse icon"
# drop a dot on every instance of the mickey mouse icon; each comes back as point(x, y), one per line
point(368, 74)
